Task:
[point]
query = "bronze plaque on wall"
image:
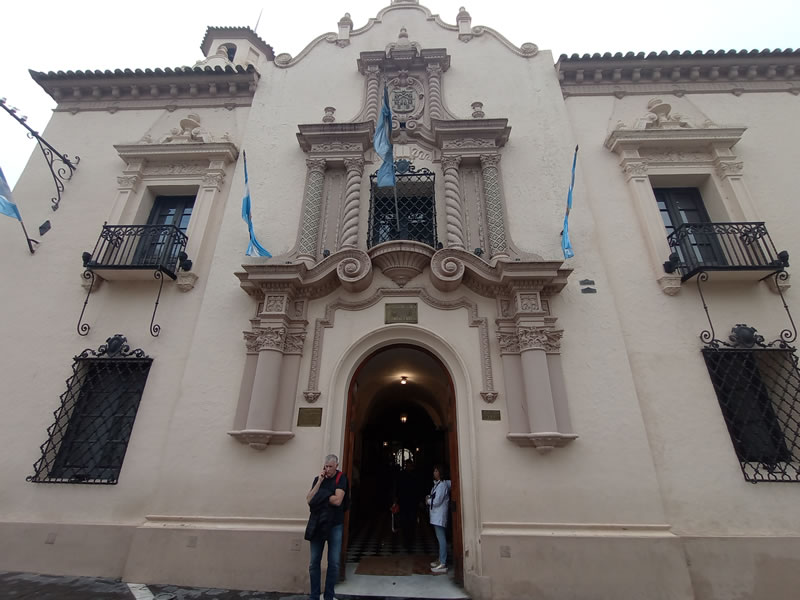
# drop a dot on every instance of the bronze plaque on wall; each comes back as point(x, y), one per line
point(309, 417)
point(490, 415)
point(401, 312)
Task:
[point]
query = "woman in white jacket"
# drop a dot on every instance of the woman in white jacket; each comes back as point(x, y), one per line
point(439, 504)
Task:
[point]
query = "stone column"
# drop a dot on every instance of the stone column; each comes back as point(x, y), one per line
point(536, 379)
point(452, 202)
point(290, 371)
point(512, 374)
point(352, 203)
point(269, 342)
point(312, 209)
point(373, 92)
point(494, 205)
point(435, 91)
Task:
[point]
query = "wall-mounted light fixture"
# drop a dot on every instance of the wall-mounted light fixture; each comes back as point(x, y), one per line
point(403, 379)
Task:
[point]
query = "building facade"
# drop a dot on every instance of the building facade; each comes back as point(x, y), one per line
point(604, 418)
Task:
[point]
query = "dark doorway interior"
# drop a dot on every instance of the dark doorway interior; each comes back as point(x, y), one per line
point(397, 432)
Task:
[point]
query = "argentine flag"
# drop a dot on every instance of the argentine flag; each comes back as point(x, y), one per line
point(382, 142)
point(253, 248)
point(7, 206)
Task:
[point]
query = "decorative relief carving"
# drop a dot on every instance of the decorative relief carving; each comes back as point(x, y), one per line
point(299, 306)
point(251, 341)
point(729, 168)
point(505, 307)
point(674, 156)
point(213, 179)
point(468, 143)
point(274, 304)
point(529, 302)
point(635, 169)
point(419, 153)
point(269, 338)
point(189, 168)
point(336, 147)
point(509, 343)
point(532, 338)
point(294, 343)
point(128, 181)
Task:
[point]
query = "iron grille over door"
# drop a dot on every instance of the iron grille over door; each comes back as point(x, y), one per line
point(413, 197)
point(88, 440)
point(759, 394)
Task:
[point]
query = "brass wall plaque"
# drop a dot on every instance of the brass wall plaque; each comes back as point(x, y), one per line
point(401, 312)
point(488, 415)
point(309, 417)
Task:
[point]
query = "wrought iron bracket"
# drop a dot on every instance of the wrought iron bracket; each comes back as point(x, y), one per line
point(786, 336)
point(83, 328)
point(707, 335)
point(61, 173)
point(155, 328)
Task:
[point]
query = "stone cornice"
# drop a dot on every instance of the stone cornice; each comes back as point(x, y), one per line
point(470, 137)
point(184, 86)
point(335, 140)
point(678, 73)
point(233, 33)
point(224, 151)
point(404, 60)
point(620, 140)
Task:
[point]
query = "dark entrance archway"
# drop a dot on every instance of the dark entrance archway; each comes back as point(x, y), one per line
point(401, 421)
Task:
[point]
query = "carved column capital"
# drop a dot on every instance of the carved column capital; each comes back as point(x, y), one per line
point(634, 169)
point(266, 338)
point(490, 160)
point(214, 180)
point(728, 168)
point(354, 164)
point(129, 182)
point(316, 164)
point(509, 342)
point(450, 162)
point(540, 338)
point(294, 342)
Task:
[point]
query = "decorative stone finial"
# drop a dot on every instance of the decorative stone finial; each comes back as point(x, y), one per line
point(464, 21)
point(329, 118)
point(477, 110)
point(402, 38)
point(345, 27)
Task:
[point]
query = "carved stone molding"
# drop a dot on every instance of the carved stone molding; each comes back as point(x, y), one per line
point(311, 396)
point(489, 397)
point(509, 342)
point(259, 439)
point(728, 168)
point(401, 261)
point(268, 338)
point(355, 271)
point(670, 284)
point(294, 343)
point(328, 321)
point(532, 338)
point(543, 442)
point(214, 179)
point(128, 181)
point(186, 281)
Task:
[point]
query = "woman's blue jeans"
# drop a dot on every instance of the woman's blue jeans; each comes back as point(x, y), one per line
point(442, 544)
point(314, 568)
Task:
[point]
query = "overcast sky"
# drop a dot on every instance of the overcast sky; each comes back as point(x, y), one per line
point(45, 35)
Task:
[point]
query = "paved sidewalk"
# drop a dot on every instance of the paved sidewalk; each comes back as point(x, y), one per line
point(30, 586)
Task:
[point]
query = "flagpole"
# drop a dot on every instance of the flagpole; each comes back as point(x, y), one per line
point(27, 239)
point(394, 187)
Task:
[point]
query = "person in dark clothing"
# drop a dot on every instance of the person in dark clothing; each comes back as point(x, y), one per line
point(326, 501)
point(410, 495)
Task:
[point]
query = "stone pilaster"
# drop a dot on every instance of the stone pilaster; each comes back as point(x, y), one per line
point(312, 209)
point(494, 205)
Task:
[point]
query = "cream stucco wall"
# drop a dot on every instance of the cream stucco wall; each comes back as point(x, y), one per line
point(651, 483)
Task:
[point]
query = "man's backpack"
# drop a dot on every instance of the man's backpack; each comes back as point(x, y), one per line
point(346, 501)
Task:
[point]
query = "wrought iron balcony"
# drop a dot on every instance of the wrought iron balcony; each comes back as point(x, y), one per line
point(735, 248)
point(405, 212)
point(122, 250)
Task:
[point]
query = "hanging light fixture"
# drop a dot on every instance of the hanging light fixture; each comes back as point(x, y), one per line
point(403, 418)
point(403, 380)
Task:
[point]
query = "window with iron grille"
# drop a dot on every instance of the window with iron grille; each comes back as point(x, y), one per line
point(405, 212)
point(758, 389)
point(93, 424)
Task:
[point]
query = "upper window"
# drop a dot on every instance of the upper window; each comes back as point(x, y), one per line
point(406, 211)
point(688, 226)
point(93, 425)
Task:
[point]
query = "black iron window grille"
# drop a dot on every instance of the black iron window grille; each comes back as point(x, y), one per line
point(739, 246)
point(92, 427)
point(156, 247)
point(758, 389)
point(405, 212)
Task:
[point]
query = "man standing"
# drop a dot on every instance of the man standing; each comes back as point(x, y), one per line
point(326, 500)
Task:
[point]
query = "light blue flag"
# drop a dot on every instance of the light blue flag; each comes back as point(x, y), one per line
point(566, 246)
point(7, 206)
point(253, 247)
point(382, 142)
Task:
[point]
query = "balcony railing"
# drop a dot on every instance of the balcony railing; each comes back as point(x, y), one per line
point(744, 247)
point(138, 247)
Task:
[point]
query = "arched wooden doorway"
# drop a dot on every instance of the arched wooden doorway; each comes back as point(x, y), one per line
point(401, 411)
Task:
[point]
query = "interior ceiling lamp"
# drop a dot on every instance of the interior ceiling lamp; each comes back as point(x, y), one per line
point(403, 379)
point(403, 418)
